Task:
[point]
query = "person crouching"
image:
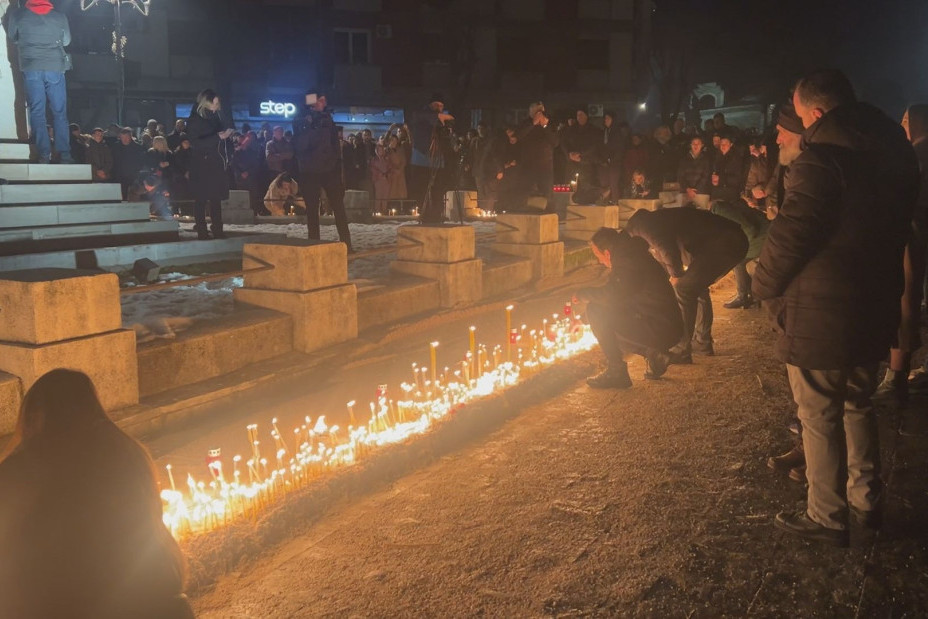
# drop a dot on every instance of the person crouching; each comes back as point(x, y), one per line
point(635, 312)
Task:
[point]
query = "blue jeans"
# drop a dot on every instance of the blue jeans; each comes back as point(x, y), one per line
point(50, 84)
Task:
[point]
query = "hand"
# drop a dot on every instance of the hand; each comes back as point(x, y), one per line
point(673, 281)
point(510, 164)
point(224, 135)
point(575, 157)
point(101, 174)
point(444, 117)
point(691, 193)
point(499, 176)
point(164, 164)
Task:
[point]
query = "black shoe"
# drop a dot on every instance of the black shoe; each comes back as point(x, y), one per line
point(679, 358)
point(800, 525)
point(704, 348)
point(739, 302)
point(868, 519)
point(657, 365)
point(611, 378)
point(791, 459)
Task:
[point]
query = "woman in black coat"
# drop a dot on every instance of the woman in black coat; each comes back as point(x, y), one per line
point(209, 162)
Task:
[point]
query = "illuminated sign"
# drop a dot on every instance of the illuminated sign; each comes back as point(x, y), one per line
point(271, 108)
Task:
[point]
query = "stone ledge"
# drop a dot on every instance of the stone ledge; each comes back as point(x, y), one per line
point(11, 398)
point(400, 298)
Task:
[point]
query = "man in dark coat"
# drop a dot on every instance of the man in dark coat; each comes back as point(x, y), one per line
point(611, 157)
point(99, 157)
point(319, 153)
point(537, 140)
point(581, 145)
point(432, 156)
point(128, 160)
point(696, 248)
point(498, 170)
point(636, 312)
point(754, 224)
point(728, 176)
point(831, 273)
point(694, 171)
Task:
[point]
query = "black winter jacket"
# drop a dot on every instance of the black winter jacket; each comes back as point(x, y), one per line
point(680, 236)
point(316, 143)
point(209, 156)
point(536, 145)
point(695, 173)
point(831, 268)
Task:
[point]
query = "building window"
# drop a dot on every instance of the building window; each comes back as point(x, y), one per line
point(352, 46)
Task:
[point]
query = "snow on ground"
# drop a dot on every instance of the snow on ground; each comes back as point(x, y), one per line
point(161, 313)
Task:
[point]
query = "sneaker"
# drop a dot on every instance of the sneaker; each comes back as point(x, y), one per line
point(791, 459)
point(894, 388)
point(800, 525)
point(798, 474)
point(656, 365)
point(611, 378)
point(704, 348)
point(739, 302)
point(795, 427)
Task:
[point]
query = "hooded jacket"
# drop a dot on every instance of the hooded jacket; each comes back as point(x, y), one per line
point(41, 34)
point(831, 267)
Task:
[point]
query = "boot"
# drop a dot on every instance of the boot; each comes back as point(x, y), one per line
point(739, 302)
point(613, 377)
point(791, 459)
point(800, 525)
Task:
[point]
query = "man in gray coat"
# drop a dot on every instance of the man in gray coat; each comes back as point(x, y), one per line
point(41, 33)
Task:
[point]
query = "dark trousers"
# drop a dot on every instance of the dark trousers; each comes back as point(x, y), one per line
point(742, 279)
point(617, 336)
point(537, 180)
point(215, 215)
point(311, 185)
point(428, 187)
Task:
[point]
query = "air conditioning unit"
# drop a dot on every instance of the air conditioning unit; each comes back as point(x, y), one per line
point(595, 110)
point(384, 31)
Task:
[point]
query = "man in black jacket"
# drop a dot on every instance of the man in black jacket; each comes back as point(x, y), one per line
point(696, 248)
point(831, 274)
point(537, 140)
point(581, 145)
point(636, 312)
point(694, 171)
point(41, 33)
point(319, 153)
point(728, 176)
point(128, 160)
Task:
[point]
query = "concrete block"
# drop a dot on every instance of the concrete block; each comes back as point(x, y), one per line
point(11, 399)
point(35, 172)
point(401, 298)
point(670, 187)
point(460, 202)
point(670, 197)
point(39, 306)
point(547, 258)
point(627, 208)
point(593, 218)
point(36, 194)
point(14, 152)
point(503, 275)
point(459, 283)
point(213, 349)
point(320, 317)
point(299, 265)
point(435, 243)
point(526, 228)
point(109, 359)
point(237, 209)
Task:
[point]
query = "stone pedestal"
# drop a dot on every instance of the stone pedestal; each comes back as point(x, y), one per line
point(534, 237)
point(461, 203)
point(445, 253)
point(309, 282)
point(65, 318)
point(583, 221)
point(237, 209)
point(627, 208)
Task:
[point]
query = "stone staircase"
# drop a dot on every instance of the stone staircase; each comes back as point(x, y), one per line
point(49, 208)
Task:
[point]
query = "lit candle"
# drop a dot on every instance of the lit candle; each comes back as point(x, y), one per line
point(508, 330)
point(171, 477)
point(473, 345)
point(351, 413)
point(433, 359)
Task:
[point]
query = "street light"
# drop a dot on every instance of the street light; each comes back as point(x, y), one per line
point(119, 43)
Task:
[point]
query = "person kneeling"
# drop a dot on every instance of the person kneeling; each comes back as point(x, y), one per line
point(635, 312)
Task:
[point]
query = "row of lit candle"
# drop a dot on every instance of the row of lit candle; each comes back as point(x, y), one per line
point(318, 447)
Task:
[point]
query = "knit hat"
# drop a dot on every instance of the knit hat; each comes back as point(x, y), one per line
point(437, 96)
point(789, 120)
point(40, 7)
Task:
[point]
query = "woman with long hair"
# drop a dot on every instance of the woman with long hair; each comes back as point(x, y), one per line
point(81, 527)
point(209, 162)
point(160, 160)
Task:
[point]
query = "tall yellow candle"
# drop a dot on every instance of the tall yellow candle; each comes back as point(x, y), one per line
point(433, 355)
point(508, 330)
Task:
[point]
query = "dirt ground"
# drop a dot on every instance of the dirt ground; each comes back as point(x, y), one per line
point(652, 502)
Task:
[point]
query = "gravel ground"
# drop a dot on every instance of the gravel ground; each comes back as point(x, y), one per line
point(653, 502)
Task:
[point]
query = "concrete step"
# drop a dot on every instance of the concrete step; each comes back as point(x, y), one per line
point(86, 230)
point(66, 214)
point(14, 151)
point(50, 194)
point(34, 172)
point(112, 256)
point(403, 296)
